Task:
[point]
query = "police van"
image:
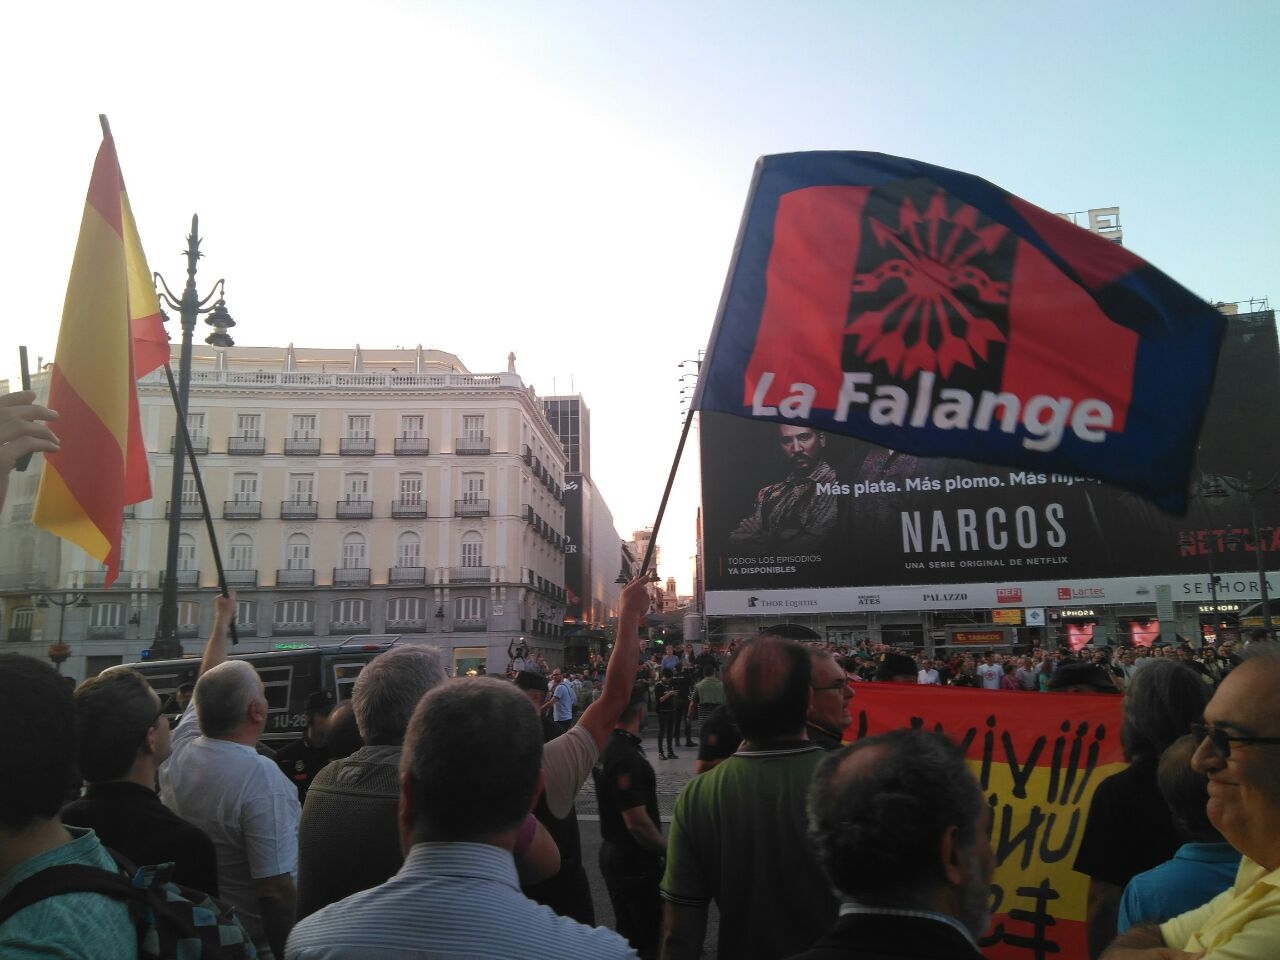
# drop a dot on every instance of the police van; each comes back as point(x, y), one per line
point(289, 675)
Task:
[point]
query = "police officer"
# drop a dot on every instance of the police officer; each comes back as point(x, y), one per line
point(302, 759)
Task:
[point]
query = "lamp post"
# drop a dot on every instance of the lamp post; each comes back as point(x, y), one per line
point(59, 650)
point(190, 306)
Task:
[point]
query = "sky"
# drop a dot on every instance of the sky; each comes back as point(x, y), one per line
point(564, 180)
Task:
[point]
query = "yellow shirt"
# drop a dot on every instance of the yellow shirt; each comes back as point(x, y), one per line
point(1242, 923)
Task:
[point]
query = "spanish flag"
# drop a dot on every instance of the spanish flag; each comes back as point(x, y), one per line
point(111, 334)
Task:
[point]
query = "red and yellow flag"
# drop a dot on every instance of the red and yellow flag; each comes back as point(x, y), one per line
point(111, 334)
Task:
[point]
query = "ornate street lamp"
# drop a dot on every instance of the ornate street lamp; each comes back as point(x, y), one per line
point(190, 306)
point(60, 650)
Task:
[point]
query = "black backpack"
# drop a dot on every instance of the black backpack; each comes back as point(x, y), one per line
point(172, 921)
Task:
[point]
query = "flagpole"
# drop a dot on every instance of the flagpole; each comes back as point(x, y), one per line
point(204, 499)
point(666, 494)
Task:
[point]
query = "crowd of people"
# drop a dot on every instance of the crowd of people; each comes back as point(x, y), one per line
point(442, 822)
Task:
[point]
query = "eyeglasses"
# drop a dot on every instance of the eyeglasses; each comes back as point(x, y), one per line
point(837, 685)
point(1222, 740)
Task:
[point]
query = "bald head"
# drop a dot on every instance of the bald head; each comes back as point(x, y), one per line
point(228, 697)
point(766, 687)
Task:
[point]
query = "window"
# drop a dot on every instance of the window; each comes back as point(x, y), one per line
point(357, 487)
point(107, 615)
point(276, 684)
point(195, 425)
point(411, 488)
point(468, 608)
point(186, 552)
point(293, 613)
point(246, 613)
point(472, 487)
point(190, 493)
point(412, 427)
point(188, 613)
point(472, 550)
point(302, 487)
point(358, 427)
point(406, 609)
point(303, 426)
point(23, 618)
point(473, 428)
point(244, 488)
point(344, 678)
point(409, 550)
point(240, 552)
point(351, 611)
point(249, 425)
point(298, 553)
point(353, 552)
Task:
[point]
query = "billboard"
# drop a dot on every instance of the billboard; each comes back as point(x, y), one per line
point(789, 509)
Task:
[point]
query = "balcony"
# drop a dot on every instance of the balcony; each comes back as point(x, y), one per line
point(241, 509)
point(406, 626)
point(526, 454)
point(299, 510)
point(130, 511)
point(338, 626)
point(356, 446)
point(190, 509)
point(105, 631)
point(246, 446)
point(295, 579)
point(188, 631)
point(19, 635)
point(293, 629)
point(471, 508)
point(21, 512)
point(355, 509)
point(199, 443)
point(409, 509)
point(470, 626)
point(469, 575)
point(351, 576)
point(407, 576)
point(302, 447)
point(412, 446)
point(242, 579)
point(471, 447)
point(184, 578)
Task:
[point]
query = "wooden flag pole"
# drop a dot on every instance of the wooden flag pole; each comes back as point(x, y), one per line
point(666, 494)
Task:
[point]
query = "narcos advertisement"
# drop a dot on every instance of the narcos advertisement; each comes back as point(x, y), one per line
point(788, 508)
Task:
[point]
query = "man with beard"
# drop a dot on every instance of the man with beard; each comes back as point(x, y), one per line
point(792, 514)
point(900, 827)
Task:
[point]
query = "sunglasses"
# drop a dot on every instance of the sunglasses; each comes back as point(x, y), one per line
point(1222, 740)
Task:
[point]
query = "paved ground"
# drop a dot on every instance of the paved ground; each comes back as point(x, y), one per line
point(672, 775)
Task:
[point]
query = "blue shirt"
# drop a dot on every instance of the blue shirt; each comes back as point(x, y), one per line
point(563, 709)
point(72, 924)
point(1197, 873)
point(450, 901)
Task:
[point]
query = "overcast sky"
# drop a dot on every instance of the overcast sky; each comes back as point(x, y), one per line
point(564, 180)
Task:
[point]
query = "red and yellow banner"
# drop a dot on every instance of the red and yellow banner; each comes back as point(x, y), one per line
point(1038, 758)
point(111, 334)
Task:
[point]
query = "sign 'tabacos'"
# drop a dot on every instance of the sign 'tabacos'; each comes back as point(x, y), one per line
point(929, 311)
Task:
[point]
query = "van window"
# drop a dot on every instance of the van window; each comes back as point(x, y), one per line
point(277, 681)
point(344, 678)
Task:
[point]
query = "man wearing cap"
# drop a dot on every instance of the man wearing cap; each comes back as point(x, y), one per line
point(302, 759)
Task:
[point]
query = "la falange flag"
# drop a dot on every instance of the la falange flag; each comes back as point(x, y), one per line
point(111, 334)
point(930, 311)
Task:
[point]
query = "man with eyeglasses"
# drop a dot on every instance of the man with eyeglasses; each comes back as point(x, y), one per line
point(124, 737)
point(1239, 751)
point(829, 702)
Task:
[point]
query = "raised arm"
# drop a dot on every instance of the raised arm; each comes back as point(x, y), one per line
point(601, 717)
point(215, 650)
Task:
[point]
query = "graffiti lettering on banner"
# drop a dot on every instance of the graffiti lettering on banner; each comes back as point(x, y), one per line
point(1039, 758)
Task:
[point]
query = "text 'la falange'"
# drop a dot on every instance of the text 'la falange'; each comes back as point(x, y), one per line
point(1044, 418)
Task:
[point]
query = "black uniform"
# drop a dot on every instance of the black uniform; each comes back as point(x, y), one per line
point(300, 762)
point(625, 779)
point(567, 893)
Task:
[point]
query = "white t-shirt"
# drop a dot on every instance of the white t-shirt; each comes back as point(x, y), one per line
point(929, 676)
point(991, 674)
point(566, 763)
point(245, 804)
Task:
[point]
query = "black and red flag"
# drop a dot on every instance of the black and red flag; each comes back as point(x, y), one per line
point(927, 310)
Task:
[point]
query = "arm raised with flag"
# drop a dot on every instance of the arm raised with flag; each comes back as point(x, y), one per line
point(22, 432)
